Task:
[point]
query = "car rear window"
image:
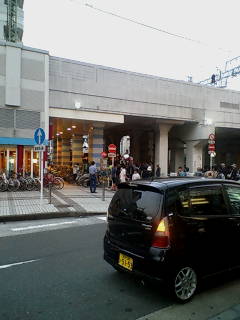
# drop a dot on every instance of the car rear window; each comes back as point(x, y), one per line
point(135, 203)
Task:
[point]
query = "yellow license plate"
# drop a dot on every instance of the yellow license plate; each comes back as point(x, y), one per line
point(125, 261)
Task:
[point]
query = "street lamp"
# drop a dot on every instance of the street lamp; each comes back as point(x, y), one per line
point(208, 122)
point(77, 104)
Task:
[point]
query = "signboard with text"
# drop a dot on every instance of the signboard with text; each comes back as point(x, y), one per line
point(112, 148)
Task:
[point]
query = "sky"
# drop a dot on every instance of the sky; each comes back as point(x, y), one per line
point(70, 29)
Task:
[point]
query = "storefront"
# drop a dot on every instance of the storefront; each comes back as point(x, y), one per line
point(19, 156)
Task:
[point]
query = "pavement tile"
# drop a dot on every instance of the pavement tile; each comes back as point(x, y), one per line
point(3, 203)
point(229, 314)
point(70, 199)
point(93, 204)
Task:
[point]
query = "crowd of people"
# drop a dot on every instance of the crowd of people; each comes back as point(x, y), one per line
point(220, 172)
point(127, 170)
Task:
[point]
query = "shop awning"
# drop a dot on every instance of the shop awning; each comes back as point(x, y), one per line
point(17, 141)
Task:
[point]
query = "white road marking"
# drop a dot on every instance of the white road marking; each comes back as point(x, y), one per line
point(102, 218)
point(80, 221)
point(16, 264)
point(49, 225)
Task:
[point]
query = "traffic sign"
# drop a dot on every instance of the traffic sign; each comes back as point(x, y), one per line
point(112, 148)
point(103, 154)
point(211, 136)
point(39, 148)
point(111, 155)
point(211, 141)
point(211, 147)
point(39, 136)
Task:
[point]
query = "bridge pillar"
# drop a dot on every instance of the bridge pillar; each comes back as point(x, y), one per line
point(66, 145)
point(96, 143)
point(161, 147)
point(77, 150)
point(194, 155)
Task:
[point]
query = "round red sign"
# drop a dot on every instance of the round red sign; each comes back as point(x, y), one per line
point(103, 154)
point(112, 148)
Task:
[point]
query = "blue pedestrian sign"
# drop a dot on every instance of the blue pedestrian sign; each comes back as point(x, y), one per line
point(39, 136)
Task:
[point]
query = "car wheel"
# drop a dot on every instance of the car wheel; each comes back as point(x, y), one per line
point(184, 284)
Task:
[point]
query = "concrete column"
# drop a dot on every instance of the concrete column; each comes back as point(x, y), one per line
point(54, 156)
point(77, 150)
point(90, 145)
point(194, 155)
point(150, 146)
point(179, 158)
point(161, 148)
point(96, 143)
point(59, 151)
point(135, 143)
point(13, 76)
point(66, 145)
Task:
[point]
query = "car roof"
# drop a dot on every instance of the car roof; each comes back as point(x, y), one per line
point(168, 182)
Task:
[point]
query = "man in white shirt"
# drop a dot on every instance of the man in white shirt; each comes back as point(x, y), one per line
point(136, 175)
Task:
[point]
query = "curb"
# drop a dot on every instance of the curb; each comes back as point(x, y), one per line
point(50, 215)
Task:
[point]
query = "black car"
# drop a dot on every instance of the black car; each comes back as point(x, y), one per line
point(176, 230)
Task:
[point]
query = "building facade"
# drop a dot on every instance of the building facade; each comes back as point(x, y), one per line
point(78, 104)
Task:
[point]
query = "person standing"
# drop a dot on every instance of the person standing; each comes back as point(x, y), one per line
point(93, 177)
point(222, 171)
point(123, 174)
point(136, 175)
point(158, 171)
point(114, 177)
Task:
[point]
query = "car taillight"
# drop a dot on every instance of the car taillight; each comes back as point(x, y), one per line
point(161, 237)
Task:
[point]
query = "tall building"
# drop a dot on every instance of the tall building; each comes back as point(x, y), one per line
point(11, 20)
point(24, 92)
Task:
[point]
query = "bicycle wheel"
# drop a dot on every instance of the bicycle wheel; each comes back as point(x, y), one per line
point(23, 184)
point(13, 185)
point(3, 186)
point(30, 184)
point(58, 183)
point(37, 184)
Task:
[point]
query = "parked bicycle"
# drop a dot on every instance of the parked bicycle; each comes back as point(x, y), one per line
point(13, 183)
point(57, 182)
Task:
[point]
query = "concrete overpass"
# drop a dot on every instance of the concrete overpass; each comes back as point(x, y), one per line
point(165, 118)
point(168, 121)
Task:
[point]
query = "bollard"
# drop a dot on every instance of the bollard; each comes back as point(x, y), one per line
point(103, 191)
point(50, 192)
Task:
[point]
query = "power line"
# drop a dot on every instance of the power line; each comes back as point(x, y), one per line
point(150, 27)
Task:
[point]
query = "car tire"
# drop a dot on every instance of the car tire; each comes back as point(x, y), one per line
point(184, 284)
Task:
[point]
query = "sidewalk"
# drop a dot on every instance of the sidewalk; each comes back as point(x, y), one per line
point(219, 303)
point(71, 201)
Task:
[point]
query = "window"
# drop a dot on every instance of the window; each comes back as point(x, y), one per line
point(177, 202)
point(135, 204)
point(207, 200)
point(234, 198)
